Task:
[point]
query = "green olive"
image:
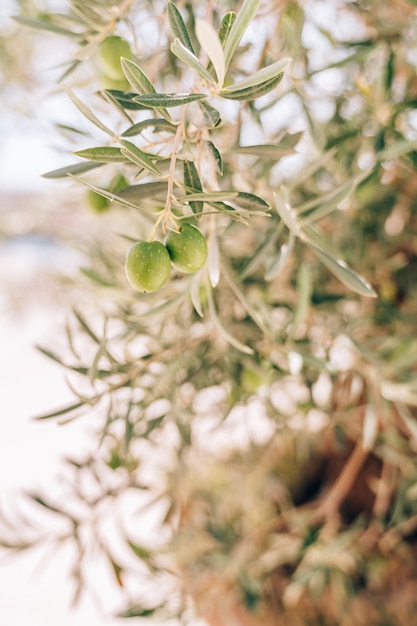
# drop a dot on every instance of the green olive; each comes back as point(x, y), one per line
point(147, 265)
point(96, 202)
point(111, 83)
point(187, 249)
point(110, 51)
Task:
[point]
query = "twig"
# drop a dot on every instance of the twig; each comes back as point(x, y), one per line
point(330, 506)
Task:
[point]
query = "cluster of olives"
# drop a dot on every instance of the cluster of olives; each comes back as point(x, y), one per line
point(148, 263)
point(109, 54)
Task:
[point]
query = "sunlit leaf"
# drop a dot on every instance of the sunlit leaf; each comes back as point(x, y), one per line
point(195, 288)
point(262, 250)
point(70, 408)
point(217, 157)
point(158, 100)
point(140, 82)
point(108, 194)
point(238, 28)
point(137, 610)
point(187, 57)
point(125, 100)
point(269, 151)
point(178, 26)
point(338, 267)
point(250, 202)
point(137, 156)
point(211, 45)
point(39, 24)
point(226, 26)
point(74, 168)
point(286, 214)
point(213, 196)
point(278, 262)
point(211, 115)
point(156, 124)
point(233, 341)
point(192, 180)
point(102, 154)
point(137, 193)
point(259, 78)
point(251, 93)
point(87, 112)
point(397, 149)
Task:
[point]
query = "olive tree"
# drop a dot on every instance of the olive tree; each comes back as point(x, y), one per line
point(246, 344)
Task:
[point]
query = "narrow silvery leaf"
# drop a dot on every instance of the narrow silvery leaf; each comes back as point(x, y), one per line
point(287, 215)
point(397, 149)
point(251, 93)
point(192, 180)
point(278, 263)
point(240, 295)
point(250, 202)
point(136, 77)
point(220, 327)
point(213, 196)
point(178, 26)
point(137, 156)
point(107, 194)
point(125, 100)
point(211, 45)
point(104, 154)
point(187, 57)
point(87, 112)
point(269, 151)
point(262, 251)
point(217, 157)
point(157, 125)
point(244, 17)
point(226, 26)
point(195, 286)
point(211, 115)
point(159, 100)
point(38, 24)
point(74, 168)
point(137, 193)
point(342, 271)
point(265, 74)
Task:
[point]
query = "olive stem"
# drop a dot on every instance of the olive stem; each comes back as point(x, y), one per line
point(167, 212)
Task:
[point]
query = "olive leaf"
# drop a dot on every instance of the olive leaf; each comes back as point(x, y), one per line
point(74, 168)
point(137, 156)
point(226, 26)
point(212, 46)
point(102, 154)
point(189, 58)
point(337, 266)
point(261, 77)
point(211, 115)
point(252, 92)
point(156, 124)
point(192, 180)
point(237, 30)
point(87, 112)
point(160, 100)
point(179, 27)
